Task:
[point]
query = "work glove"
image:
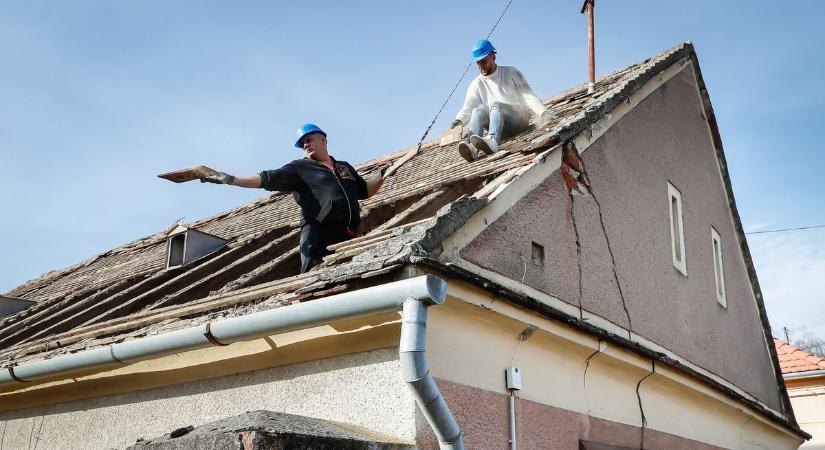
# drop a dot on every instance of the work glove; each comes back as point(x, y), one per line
point(218, 178)
point(456, 123)
point(546, 117)
point(384, 170)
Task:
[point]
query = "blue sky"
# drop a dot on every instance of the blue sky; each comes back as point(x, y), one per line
point(98, 97)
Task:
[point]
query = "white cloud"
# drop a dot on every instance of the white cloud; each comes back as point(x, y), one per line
point(791, 271)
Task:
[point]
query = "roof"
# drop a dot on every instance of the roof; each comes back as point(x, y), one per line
point(127, 292)
point(793, 360)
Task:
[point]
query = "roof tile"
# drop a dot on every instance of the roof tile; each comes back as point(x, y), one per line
point(792, 359)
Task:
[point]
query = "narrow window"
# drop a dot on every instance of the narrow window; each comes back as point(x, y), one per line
point(718, 268)
point(538, 255)
point(677, 233)
point(175, 250)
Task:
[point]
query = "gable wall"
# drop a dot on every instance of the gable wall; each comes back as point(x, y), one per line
point(664, 138)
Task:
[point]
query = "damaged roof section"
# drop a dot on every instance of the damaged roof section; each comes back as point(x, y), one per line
point(127, 292)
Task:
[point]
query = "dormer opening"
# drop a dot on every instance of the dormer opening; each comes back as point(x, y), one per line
point(13, 305)
point(185, 246)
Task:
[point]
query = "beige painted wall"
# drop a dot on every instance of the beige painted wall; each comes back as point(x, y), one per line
point(808, 402)
point(363, 389)
point(474, 337)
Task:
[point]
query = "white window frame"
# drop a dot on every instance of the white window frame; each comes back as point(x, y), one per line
point(677, 228)
point(718, 267)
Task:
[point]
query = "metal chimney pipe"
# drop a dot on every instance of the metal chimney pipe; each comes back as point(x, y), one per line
point(591, 45)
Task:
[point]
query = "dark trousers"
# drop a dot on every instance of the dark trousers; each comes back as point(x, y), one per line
point(315, 238)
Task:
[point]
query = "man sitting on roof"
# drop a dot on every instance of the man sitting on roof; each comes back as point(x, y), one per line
point(327, 191)
point(499, 100)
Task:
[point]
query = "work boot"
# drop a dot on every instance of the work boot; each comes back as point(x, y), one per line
point(467, 151)
point(486, 144)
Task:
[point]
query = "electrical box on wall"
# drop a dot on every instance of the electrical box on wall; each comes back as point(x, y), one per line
point(512, 377)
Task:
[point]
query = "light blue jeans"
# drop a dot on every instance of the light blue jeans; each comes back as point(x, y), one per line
point(501, 120)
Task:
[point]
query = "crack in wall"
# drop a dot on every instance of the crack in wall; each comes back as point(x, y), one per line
point(39, 432)
point(641, 408)
point(576, 179)
point(584, 375)
point(578, 251)
point(742, 429)
point(587, 416)
point(613, 265)
point(31, 433)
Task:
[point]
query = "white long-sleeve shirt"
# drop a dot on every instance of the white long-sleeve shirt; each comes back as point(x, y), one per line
point(505, 85)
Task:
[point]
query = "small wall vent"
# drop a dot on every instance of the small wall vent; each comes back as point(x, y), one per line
point(184, 246)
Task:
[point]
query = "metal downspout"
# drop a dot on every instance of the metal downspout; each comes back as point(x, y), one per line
point(416, 374)
point(413, 295)
point(512, 420)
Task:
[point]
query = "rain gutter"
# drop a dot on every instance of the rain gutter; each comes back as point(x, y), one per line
point(800, 375)
point(411, 296)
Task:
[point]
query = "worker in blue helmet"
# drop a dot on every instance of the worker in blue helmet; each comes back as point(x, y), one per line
point(499, 101)
point(327, 190)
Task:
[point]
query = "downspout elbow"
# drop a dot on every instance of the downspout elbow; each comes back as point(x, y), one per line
point(417, 375)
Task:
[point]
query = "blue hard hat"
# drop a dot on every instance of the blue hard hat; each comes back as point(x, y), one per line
point(306, 129)
point(482, 48)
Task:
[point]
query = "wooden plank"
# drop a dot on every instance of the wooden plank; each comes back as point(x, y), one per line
point(412, 209)
point(76, 313)
point(51, 311)
point(250, 278)
point(276, 246)
point(192, 173)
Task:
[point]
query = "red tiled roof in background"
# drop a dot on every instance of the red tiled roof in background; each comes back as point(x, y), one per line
point(792, 359)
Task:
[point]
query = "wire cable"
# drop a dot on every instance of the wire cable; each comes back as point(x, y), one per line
point(467, 69)
point(785, 229)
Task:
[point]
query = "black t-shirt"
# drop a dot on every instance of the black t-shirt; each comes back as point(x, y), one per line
point(325, 196)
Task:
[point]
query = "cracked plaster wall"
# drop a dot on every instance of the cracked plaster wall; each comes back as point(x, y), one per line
point(664, 138)
point(569, 391)
point(485, 418)
point(363, 389)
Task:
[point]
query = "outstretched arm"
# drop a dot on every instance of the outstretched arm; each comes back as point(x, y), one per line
point(247, 181)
